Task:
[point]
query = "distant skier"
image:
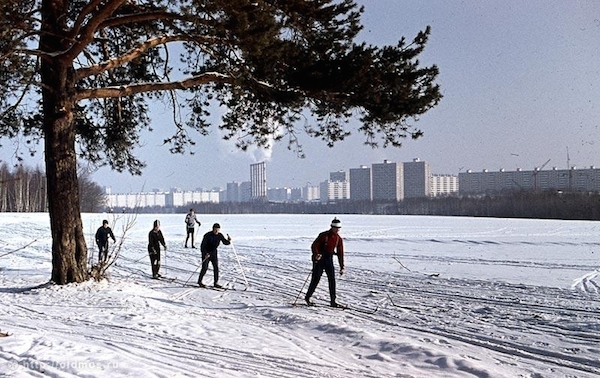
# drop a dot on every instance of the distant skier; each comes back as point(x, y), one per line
point(155, 239)
point(210, 243)
point(191, 221)
point(327, 244)
point(102, 234)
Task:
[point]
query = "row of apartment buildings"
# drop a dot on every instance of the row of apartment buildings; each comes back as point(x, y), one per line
point(157, 198)
point(386, 181)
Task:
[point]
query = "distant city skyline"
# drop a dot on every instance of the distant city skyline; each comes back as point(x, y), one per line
point(387, 181)
point(263, 168)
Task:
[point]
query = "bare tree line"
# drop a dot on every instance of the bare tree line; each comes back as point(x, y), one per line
point(23, 190)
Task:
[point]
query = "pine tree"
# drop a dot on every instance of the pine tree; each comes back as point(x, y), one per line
point(80, 76)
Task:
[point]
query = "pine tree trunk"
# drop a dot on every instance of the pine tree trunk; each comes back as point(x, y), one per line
point(69, 251)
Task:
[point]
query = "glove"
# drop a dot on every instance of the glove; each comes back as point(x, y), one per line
point(318, 257)
point(342, 271)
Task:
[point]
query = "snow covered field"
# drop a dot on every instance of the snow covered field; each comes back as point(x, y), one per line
point(454, 297)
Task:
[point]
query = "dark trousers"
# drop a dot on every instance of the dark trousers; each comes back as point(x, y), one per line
point(154, 263)
point(325, 264)
point(213, 258)
point(190, 231)
point(102, 252)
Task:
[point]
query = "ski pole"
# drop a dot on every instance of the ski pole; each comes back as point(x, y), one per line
point(195, 270)
point(240, 264)
point(302, 288)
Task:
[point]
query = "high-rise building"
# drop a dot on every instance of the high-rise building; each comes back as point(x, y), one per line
point(296, 194)
point(338, 176)
point(232, 193)
point(360, 183)
point(258, 180)
point(388, 181)
point(444, 185)
point(311, 193)
point(245, 191)
point(334, 191)
point(417, 179)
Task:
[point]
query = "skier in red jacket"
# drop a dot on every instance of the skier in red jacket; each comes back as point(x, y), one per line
point(327, 244)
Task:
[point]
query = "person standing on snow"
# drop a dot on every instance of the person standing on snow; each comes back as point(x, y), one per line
point(155, 239)
point(327, 244)
point(102, 234)
point(191, 221)
point(210, 243)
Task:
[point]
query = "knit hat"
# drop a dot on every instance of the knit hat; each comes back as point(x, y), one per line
point(336, 223)
point(216, 225)
point(157, 223)
point(104, 222)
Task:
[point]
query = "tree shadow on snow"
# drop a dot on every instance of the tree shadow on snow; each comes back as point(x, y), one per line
point(17, 290)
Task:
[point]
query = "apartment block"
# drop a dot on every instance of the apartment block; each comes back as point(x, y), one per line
point(417, 179)
point(388, 181)
point(232, 194)
point(334, 190)
point(338, 176)
point(573, 179)
point(173, 198)
point(258, 180)
point(444, 185)
point(360, 183)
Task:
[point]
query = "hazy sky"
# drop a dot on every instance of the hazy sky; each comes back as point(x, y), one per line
point(521, 85)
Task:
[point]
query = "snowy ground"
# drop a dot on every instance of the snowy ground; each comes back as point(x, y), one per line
point(455, 297)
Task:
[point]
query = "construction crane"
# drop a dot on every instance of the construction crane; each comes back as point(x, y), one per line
point(535, 174)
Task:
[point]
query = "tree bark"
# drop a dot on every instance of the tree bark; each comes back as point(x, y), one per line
point(69, 251)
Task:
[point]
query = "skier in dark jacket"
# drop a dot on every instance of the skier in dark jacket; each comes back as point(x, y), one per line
point(155, 239)
point(327, 244)
point(102, 235)
point(210, 243)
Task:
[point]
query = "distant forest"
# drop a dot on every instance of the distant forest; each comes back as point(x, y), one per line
point(23, 189)
point(519, 204)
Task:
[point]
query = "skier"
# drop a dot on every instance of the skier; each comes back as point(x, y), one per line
point(102, 234)
point(210, 243)
point(327, 244)
point(190, 221)
point(155, 239)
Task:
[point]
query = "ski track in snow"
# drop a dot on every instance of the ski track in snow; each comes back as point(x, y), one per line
point(426, 325)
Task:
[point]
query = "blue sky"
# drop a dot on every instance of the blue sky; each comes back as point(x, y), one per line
point(521, 86)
